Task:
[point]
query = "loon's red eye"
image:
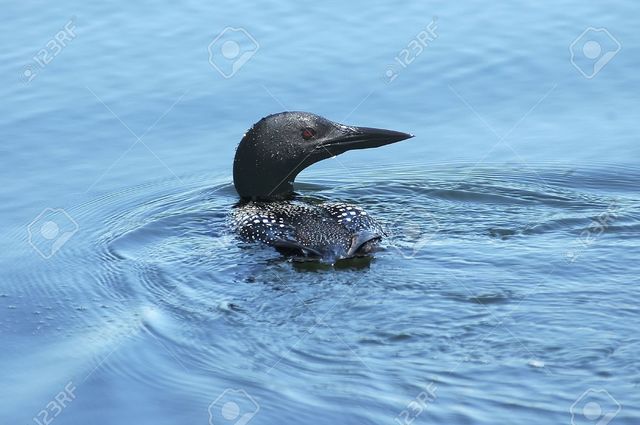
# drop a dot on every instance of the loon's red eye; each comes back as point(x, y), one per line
point(308, 133)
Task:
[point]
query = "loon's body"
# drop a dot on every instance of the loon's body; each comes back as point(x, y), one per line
point(270, 156)
point(327, 230)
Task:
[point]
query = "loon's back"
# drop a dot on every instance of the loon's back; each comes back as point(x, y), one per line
point(328, 230)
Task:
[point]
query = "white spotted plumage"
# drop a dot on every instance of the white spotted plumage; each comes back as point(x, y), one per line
point(328, 228)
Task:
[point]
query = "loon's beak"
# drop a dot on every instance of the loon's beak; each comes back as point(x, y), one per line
point(351, 138)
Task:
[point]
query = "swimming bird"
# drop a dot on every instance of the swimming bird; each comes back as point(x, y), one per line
point(270, 156)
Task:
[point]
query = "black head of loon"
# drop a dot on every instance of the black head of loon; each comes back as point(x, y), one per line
point(278, 147)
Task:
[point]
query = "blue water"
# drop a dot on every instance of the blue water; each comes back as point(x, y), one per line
point(506, 291)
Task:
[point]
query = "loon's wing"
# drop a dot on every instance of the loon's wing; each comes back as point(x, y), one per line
point(292, 247)
point(352, 217)
point(262, 222)
point(365, 232)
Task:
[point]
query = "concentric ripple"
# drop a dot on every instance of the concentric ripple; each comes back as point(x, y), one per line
point(160, 295)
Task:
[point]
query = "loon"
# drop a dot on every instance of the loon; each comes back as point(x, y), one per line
point(270, 156)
